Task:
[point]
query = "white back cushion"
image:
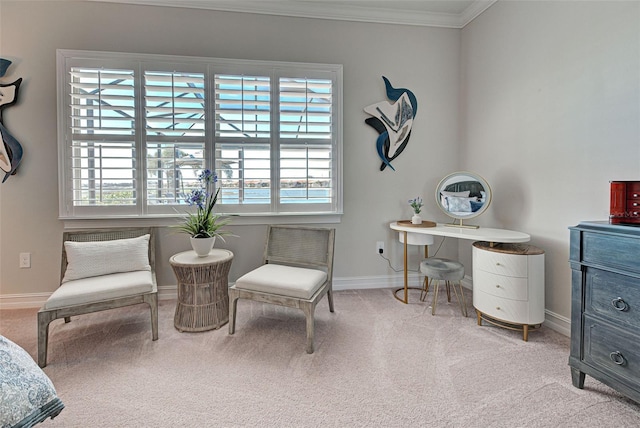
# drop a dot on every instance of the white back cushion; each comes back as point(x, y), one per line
point(88, 259)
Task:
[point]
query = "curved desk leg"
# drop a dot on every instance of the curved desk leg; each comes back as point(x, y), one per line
point(425, 288)
point(406, 275)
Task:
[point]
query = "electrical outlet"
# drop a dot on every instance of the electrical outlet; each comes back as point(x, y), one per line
point(25, 260)
point(380, 247)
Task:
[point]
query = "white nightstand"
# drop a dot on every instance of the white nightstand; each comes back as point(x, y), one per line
point(508, 285)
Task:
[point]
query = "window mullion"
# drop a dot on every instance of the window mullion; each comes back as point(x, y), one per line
point(140, 143)
point(210, 120)
point(275, 141)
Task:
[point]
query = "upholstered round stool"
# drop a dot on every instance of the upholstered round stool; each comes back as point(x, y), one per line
point(449, 271)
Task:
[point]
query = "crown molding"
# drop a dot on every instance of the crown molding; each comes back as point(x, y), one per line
point(473, 11)
point(356, 11)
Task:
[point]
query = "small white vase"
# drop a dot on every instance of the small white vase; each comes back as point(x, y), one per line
point(416, 219)
point(202, 246)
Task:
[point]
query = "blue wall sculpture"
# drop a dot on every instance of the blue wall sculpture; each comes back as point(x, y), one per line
point(10, 149)
point(393, 121)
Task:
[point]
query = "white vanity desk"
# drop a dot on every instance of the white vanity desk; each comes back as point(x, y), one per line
point(415, 235)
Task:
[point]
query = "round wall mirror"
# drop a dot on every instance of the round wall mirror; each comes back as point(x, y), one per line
point(463, 195)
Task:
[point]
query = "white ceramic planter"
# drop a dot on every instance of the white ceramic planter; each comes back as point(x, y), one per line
point(202, 246)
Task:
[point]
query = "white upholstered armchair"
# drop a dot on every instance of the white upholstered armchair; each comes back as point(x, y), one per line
point(297, 272)
point(102, 269)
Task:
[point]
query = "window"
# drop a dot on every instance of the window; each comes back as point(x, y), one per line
point(137, 129)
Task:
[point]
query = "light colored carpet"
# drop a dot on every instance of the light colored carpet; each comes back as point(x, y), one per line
point(378, 363)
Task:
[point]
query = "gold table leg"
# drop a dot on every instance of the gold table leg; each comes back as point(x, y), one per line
point(425, 286)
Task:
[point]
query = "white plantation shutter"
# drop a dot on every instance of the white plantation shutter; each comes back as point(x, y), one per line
point(305, 108)
point(174, 103)
point(306, 174)
point(243, 132)
point(243, 106)
point(175, 135)
point(102, 119)
point(245, 175)
point(136, 131)
point(306, 143)
point(102, 101)
point(172, 171)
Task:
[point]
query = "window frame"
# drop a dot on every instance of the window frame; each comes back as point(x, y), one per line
point(141, 63)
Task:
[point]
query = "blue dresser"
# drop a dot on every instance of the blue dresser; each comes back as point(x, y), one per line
point(605, 306)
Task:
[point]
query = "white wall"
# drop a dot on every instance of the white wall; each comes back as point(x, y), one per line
point(551, 96)
point(425, 60)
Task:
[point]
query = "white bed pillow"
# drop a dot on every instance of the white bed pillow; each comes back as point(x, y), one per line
point(459, 205)
point(87, 259)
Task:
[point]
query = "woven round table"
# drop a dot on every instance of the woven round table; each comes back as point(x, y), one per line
point(203, 290)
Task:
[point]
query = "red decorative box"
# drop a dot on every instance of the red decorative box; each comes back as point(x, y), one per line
point(625, 202)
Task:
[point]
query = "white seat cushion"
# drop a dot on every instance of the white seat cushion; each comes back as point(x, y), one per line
point(288, 281)
point(98, 288)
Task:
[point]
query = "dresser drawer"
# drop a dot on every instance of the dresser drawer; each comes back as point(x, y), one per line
point(508, 287)
point(613, 296)
point(500, 263)
point(511, 311)
point(613, 351)
point(611, 250)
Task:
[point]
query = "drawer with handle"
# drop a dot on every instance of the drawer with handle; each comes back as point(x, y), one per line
point(612, 296)
point(514, 311)
point(501, 286)
point(612, 351)
point(500, 263)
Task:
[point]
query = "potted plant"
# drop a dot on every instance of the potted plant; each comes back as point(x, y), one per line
point(416, 204)
point(204, 226)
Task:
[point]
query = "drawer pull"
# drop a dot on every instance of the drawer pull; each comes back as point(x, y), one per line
point(635, 195)
point(620, 304)
point(635, 204)
point(498, 308)
point(497, 285)
point(617, 358)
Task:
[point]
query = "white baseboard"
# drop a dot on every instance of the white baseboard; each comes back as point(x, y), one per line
point(557, 323)
point(22, 301)
point(554, 321)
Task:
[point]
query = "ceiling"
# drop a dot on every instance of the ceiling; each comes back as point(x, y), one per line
point(432, 13)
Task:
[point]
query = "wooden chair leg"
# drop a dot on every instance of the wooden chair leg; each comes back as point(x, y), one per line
point(309, 310)
point(67, 319)
point(44, 318)
point(330, 297)
point(152, 301)
point(233, 305)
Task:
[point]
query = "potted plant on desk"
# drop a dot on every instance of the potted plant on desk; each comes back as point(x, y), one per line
point(416, 204)
point(204, 226)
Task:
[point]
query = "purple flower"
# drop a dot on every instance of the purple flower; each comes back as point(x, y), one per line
point(197, 197)
point(206, 177)
point(416, 204)
point(204, 223)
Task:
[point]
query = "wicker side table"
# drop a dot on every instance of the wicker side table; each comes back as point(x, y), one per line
point(203, 290)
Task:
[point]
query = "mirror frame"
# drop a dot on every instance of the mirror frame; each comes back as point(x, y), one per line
point(461, 176)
